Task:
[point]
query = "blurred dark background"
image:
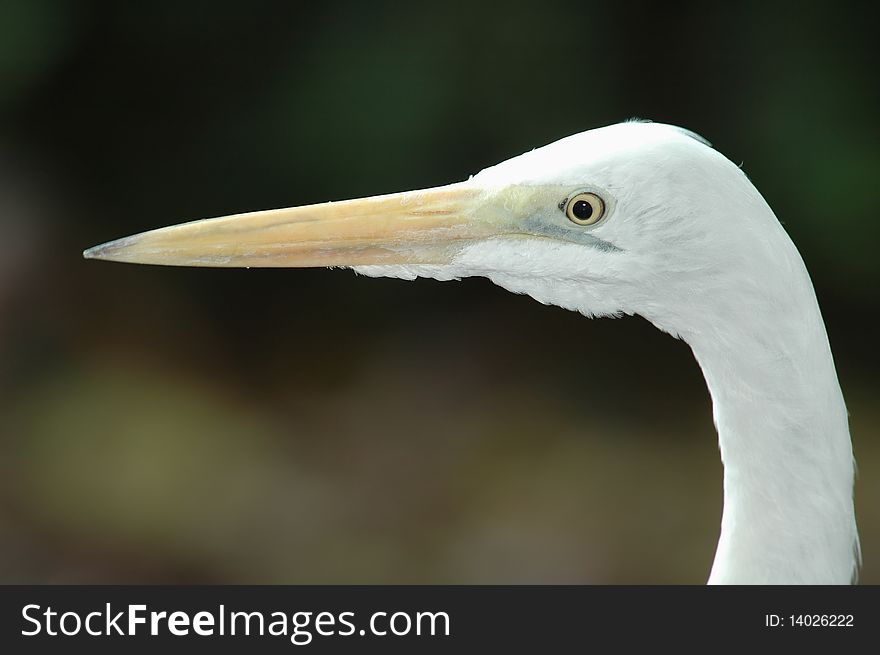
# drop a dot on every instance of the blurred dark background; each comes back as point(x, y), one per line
point(175, 425)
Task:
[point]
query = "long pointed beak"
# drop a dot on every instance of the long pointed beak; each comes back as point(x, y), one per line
point(415, 227)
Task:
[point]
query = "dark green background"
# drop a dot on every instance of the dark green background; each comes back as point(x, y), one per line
point(174, 425)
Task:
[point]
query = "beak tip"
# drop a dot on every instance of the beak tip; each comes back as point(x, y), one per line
point(107, 251)
point(97, 252)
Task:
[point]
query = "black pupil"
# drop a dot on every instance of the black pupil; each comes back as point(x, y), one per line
point(582, 210)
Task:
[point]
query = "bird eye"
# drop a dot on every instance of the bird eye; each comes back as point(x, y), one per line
point(584, 208)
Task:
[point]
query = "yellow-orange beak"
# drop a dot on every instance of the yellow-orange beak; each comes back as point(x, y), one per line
point(415, 227)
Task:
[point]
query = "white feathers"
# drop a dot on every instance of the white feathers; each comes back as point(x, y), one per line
point(697, 251)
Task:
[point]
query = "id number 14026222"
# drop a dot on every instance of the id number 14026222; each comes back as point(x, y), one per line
point(809, 620)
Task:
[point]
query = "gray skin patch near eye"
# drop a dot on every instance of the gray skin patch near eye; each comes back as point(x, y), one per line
point(541, 227)
point(605, 246)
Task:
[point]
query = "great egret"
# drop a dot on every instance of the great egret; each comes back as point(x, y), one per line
point(634, 218)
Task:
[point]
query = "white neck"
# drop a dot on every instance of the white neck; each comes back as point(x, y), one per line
point(729, 281)
point(782, 428)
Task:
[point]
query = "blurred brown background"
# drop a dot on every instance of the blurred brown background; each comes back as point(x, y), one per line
point(174, 425)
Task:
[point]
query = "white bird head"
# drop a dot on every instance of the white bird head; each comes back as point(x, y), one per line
point(613, 220)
